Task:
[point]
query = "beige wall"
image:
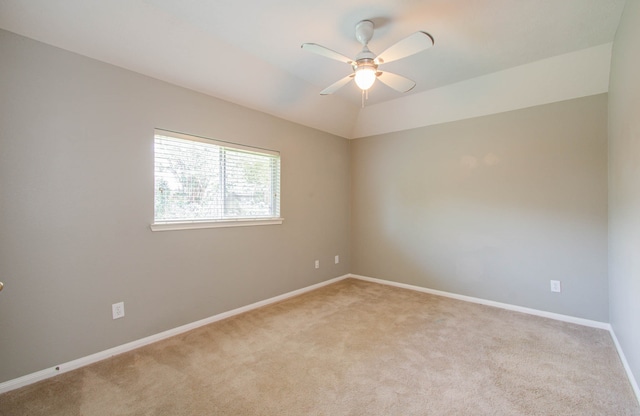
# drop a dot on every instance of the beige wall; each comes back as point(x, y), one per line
point(76, 201)
point(624, 186)
point(492, 207)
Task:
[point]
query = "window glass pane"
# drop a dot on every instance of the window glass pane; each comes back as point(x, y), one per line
point(198, 181)
point(249, 189)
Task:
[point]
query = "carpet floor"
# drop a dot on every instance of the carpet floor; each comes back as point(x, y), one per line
point(352, 348)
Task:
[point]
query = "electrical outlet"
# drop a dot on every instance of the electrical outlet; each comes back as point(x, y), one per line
point(337, 259)
point(555, 286)
point(317, 264)
point(117, 310)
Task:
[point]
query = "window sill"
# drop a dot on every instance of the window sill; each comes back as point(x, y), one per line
point(191, 225)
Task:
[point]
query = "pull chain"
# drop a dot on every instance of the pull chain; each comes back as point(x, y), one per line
point(365, 96)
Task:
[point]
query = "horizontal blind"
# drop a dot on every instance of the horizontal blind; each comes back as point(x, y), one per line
point(198, 179)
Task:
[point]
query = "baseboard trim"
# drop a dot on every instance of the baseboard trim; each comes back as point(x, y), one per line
point(99, 356)
point(625, 364)
point(530, 311)
point(93, 358)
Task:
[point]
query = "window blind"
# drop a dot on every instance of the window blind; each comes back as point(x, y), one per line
point(198, 179)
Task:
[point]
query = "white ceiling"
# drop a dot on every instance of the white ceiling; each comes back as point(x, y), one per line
point(248, 52)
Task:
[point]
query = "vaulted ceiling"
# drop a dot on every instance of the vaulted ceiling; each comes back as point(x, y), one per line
point(248, 52)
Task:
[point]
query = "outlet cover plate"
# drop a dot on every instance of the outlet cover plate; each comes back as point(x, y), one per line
point(117, 310)
point(555, 286)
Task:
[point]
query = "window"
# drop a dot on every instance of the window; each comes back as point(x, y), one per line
point(202, 183)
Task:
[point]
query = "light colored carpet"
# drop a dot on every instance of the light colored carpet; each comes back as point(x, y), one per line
point(352, 348)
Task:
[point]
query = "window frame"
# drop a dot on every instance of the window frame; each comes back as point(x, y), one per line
point(170, 225)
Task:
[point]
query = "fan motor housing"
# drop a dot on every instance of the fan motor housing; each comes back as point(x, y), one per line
point(365, 53)
point(364, 63)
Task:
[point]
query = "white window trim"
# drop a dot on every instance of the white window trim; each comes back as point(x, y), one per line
point(222, 143)
point(202, 224)
point(194, 225)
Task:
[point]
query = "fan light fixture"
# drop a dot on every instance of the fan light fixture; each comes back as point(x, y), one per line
point(365, 75)
point(365, 64)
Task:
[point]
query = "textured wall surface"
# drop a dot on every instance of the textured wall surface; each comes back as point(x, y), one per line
point(76, 201)
point(624, 186)
point(492, 207)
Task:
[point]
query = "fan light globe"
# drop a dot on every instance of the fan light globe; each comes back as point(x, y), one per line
point(365, 77)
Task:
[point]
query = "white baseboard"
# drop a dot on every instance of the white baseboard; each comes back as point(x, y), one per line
point(93, 358)
point(99, 356)
point(530, 311)
point(632, 379)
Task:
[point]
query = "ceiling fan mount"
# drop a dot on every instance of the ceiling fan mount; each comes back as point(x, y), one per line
point(364, 31)
point(365, 65)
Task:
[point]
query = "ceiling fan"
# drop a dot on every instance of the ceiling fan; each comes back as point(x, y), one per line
point(365, 65)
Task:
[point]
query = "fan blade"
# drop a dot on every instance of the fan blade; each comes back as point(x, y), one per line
point(337, 85)
point(408, 46)
point(321, 50)
point(397, 82)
